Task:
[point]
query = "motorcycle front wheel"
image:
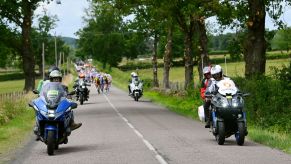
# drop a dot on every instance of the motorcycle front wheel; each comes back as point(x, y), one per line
point(220, 137)
point(51, 141)
point(240, 135)
point(81, 99)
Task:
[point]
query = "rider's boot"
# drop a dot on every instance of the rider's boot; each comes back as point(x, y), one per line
point(74, 125)
point(36, 132)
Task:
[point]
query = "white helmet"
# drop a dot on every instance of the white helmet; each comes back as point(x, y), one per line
point(133, 74)
point(55, 74)
point(216, 72)
point(216, 69)
point(206, 69)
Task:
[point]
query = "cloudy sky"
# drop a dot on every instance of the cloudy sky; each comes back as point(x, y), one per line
point(70, 13)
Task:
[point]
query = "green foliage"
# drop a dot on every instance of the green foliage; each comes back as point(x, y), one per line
point(268, 106)
point(284, 75)
point(181, 104)
point(11, 76)
point(282, 40)
point(9, 109)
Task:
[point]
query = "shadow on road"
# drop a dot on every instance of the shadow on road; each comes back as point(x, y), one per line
point(73, 149)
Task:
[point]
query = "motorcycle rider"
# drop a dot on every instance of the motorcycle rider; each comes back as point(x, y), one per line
point(55, 79)
point(82, 77)
point(217, 75)
point(133, 77)
point(46, 79)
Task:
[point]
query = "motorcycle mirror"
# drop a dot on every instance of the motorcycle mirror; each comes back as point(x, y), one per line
point(30, 104)
point(35, 91)
point(74, 105)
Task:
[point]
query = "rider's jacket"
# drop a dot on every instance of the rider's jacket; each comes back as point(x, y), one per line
point(212, 85)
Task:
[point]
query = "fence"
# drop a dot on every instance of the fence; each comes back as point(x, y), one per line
point(12, 96)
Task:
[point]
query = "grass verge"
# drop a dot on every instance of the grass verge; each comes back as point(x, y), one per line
point(14, 133)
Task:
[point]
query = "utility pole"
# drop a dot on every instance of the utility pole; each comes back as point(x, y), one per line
point(56, 53)
point(43, 62)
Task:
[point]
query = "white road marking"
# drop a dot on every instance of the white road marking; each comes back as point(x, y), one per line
point(146, 142)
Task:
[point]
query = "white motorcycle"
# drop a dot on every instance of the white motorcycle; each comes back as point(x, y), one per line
point(136, 88)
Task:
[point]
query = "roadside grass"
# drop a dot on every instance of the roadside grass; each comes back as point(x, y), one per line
point(11, 86)
point(276, 140)
point(16, 124)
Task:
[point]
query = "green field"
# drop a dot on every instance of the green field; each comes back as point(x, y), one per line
point(231, 69)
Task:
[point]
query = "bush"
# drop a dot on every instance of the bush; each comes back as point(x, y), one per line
point(268, 106)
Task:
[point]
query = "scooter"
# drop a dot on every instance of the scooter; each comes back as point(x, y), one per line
point(53, 117)
point(228, 115)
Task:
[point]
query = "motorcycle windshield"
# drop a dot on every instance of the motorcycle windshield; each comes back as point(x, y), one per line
point(52, 93)
point(227, 86)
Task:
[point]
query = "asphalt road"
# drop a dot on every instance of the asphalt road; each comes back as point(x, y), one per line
point(118, 130)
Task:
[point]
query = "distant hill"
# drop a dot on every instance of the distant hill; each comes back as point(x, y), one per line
point(70, 41)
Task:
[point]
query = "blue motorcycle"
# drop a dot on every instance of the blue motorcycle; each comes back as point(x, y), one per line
point(53, 116)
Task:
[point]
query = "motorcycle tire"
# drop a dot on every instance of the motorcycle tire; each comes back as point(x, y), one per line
point(51, 141)
point(81, 99)
point(136, 98)
point(240, 135)
point(220, 137)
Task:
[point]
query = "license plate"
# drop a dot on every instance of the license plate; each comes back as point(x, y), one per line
point(228, 97)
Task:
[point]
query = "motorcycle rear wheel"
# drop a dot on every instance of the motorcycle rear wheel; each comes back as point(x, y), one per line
point(240, 135)
point(220, 137)
point(51, 141)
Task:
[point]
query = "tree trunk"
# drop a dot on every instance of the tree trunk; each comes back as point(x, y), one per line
point(168, 58)
point(255, 43)
point(155, 62)
point(188, 58)
point(27, 54)
point(204, 57)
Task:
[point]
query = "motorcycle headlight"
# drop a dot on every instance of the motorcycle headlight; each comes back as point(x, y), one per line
point(223, 102)
point(83, 86)
point(51, 113)
point(236, 102)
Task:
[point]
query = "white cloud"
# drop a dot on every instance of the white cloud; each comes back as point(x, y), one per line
point(69, 13)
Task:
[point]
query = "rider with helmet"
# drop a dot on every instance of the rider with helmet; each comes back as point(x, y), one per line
point(55, 79)
point(217, 75)
point(134, 77)
point(82, 78)
point(205, 81)
point(41, 83)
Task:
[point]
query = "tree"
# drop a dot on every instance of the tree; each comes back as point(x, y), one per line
point(251, 15)
point(20, 12)
point(282, 40)
point(40, 35)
